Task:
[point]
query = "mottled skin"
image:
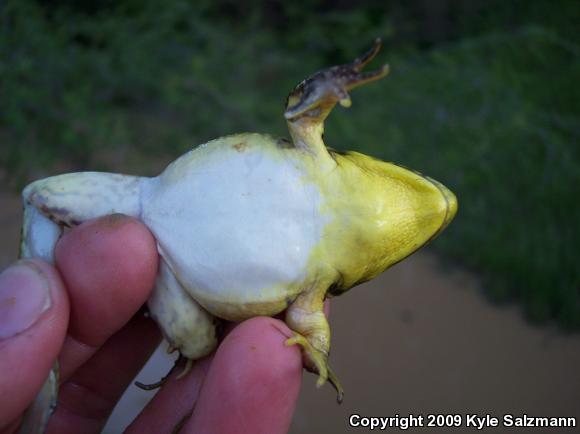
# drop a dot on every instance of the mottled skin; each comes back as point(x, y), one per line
point(250, 225)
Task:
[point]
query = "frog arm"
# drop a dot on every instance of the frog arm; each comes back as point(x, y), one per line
point(305, 316)
point(187, 326)
point(313, 99)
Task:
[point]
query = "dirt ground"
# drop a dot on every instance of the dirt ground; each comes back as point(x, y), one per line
point(420, 339)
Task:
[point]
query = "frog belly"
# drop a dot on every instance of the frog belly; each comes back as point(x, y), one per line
point(237, 228)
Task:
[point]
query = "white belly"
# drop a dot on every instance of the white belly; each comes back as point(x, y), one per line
point(236, 227)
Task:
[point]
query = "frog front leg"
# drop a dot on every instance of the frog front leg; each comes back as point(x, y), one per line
point(305, 316)
point(187, 326)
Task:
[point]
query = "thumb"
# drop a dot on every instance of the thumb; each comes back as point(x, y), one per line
point(34, 313)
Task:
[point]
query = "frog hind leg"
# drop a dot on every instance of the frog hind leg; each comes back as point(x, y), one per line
point(50, 205)
point(305, 316)
point(187, 326)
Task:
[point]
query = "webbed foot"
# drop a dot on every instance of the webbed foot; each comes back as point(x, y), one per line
point(315, 96)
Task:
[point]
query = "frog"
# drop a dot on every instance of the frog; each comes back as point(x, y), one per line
point(250, 224)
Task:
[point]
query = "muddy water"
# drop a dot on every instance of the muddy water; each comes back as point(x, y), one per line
point(418, 340)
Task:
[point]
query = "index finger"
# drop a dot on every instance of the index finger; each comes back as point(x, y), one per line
point(109, 267)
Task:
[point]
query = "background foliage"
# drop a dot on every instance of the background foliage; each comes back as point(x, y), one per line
point(483, 96)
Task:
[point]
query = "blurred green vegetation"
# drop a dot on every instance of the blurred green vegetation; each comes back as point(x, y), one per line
point(482, 96)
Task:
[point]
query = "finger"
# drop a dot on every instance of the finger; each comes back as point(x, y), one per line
point(173, 403)
point(34, 312)
point(109, 267)
point(253, 372)
point(178, 397)
point(253, 382)
point(89, 396)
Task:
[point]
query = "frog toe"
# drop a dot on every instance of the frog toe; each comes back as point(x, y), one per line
point(314, 360)
point(186, 369)
point(333, 379)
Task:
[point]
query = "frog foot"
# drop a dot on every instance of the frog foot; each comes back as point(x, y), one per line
point(314, 97)
point(158, 384)
point(317, 361)
point(188, 366)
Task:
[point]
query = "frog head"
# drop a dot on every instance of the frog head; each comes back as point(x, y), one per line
point(389, 212)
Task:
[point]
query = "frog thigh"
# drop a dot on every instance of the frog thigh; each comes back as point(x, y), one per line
point(184, 323)
point(68, 200)
point(39, 235)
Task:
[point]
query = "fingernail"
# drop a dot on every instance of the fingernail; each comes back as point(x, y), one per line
point(24, 296)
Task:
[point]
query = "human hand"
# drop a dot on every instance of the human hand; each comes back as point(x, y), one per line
point(87, 314)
